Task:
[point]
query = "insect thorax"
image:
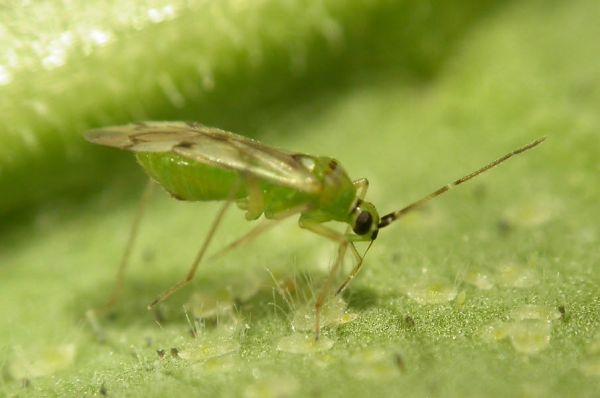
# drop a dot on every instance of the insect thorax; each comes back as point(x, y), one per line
point(337, 195)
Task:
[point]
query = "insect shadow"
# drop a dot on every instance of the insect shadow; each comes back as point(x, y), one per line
point(214, 297)
point(127, 311)
point(361, 297)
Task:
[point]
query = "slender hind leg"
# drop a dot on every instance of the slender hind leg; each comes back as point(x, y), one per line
point(211, 232)
point(91, 315)
point(249, 236)
point(133, 233)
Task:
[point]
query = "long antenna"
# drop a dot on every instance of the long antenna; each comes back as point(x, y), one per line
point(390, 218)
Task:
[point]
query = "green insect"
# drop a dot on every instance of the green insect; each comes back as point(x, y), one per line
point(197, 163)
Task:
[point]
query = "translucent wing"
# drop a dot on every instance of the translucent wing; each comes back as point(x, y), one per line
point(212, 147)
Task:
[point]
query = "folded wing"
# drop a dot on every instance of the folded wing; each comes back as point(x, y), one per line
point(213, 147)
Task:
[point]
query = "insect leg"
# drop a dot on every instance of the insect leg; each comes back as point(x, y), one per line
point(361, 185)
point(354, 272)
point(264, 226)
point(133, 233)
point(255, 207)
point(343, 243)
point(256, 202)
point(211, 232)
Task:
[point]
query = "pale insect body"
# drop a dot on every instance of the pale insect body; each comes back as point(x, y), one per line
point(198, 163)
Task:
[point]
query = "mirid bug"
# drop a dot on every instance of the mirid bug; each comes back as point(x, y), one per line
point(197, 163)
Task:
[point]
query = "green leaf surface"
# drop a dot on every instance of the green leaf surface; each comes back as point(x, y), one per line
point(491, 290)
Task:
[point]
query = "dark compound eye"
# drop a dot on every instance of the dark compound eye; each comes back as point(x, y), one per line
point(363, 223)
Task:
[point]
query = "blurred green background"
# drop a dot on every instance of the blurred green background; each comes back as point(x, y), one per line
point(491, 290)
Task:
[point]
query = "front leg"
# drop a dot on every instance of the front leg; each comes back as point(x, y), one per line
point(343, 242)
point(361, 185)
point(211, 233)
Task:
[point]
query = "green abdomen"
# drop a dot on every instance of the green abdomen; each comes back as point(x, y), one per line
point(189, 180)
